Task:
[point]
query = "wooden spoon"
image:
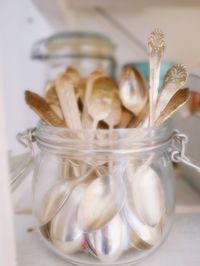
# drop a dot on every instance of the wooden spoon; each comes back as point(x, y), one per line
point(43, 109)
point(179, 98)
point(133, 91)
point(156, 49)
point(101, 99)
point(67, 98)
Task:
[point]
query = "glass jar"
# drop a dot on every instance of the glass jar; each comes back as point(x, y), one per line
point(85, 51)
point(103, 197)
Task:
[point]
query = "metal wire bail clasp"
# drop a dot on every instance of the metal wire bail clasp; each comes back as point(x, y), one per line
point(26, 163)
point(27, 138)
point(178, 151)
point(179, 143)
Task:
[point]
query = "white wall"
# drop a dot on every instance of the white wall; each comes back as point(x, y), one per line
point(23, 24)
point(20, 26)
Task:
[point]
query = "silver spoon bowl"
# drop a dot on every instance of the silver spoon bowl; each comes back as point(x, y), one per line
point(64, 231)
point(102, 200)
point(107, 243)
point(57, 196)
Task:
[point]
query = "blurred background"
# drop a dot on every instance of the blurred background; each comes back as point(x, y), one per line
point(125, 26)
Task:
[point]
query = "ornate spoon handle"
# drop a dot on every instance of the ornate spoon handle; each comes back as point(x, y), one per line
point(156, 49)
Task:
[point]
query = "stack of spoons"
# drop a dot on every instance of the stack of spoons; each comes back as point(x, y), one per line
point(86, 211)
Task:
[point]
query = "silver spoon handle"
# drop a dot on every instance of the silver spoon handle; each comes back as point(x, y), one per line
point(156, 45)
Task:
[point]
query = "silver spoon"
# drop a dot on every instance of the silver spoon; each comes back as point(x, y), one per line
point(141, 120)
point(64, 231)
point(114, 116)
point(67, 98)
point(174, 80)
point(142, 236)
point(57, 196)
point(145, 194)
point(133, 91)
point(137, 210)
point(86, 119)
point(107, 243)
point(156, 49)
point(101, 99)
point(126, 117)
point(178, 100)
point(102, 200)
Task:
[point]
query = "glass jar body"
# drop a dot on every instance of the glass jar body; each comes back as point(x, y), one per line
point(102, 199)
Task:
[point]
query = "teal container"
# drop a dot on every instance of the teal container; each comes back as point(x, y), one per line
point(143, 67)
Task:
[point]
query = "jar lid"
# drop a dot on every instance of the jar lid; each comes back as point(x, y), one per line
point(76, 43)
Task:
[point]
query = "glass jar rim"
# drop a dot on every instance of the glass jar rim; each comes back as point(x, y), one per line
point(123, 140)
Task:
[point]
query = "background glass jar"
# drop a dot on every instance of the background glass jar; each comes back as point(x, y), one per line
point(103, 197)
point(85, 51)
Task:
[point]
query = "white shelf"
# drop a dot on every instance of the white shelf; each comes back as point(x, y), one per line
point(181, 248)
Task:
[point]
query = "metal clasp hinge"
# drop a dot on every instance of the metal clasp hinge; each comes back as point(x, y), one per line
point(27, 138)
point(178, 151)
point(26, 164)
